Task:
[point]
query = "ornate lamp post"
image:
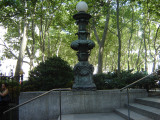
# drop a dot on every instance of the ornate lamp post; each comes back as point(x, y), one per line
point(83, 71)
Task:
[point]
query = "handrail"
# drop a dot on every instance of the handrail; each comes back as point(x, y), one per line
point(61, 89)
point(127, 86)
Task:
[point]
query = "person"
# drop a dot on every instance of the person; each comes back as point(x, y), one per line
point(4, 98)
point(4, 94)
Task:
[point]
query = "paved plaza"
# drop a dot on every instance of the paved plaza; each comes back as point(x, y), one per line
point(93, 116)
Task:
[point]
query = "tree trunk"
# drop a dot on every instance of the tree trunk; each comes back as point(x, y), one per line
point(42, 42)
point(129, 43)
point(156, 50)
point(49, 46)
point(145, 48)
point(154, 61)
point(21, 51)
point(119, 38)
point(102, 42)
point(31, 52)
point(33, 38)
point(57, 53)
point(139, 52)
point(100, 59)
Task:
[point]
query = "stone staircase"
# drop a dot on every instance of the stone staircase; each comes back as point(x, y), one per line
point(143, 109)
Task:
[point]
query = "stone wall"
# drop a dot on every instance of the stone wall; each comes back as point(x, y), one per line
point(48, 106)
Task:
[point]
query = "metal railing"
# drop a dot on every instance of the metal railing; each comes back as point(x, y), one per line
point(128, 86)
point(32, 99)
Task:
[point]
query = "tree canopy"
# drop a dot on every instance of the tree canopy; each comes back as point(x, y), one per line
point(126, 32)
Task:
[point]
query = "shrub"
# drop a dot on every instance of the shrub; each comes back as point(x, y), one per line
point(53, 73)
point(104, 81)
point(112, 80)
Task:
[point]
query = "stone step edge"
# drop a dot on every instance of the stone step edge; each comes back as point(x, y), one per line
point(123, 112)
point(148, 102)
point(148, 111)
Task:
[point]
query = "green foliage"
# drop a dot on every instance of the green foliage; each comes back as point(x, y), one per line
point(113, 81)
point(14, 90)
point(51, 29)
point(99, 80)
point(53, 73)
point(104, 81)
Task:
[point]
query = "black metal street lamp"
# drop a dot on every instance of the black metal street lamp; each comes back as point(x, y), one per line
point(21, 76)
point(83, 71)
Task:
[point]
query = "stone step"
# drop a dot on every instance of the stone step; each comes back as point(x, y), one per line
point(148, 111)
point(123, 112)
point(149, 101)
point(92, 116)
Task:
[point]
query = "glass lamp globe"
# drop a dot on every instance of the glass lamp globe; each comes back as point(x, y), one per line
point(82, 6)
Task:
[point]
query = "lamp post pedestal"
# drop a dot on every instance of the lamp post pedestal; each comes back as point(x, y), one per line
point(83, 70)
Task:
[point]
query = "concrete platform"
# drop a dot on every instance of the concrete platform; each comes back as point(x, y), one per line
point(92, 116)
point(75, 102)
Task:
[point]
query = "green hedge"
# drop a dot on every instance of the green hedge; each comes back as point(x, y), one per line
point(112, 80)
point(53, 73)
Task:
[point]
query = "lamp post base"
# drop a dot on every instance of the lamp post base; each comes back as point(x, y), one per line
point(83, 73)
